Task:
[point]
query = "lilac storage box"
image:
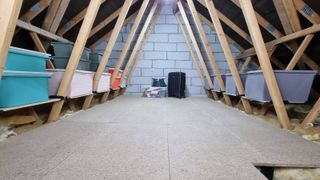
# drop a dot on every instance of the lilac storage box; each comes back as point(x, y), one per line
point(81, 84)
point(104, 83)
point(231, 88)
point(295, 86)
point(215, 81)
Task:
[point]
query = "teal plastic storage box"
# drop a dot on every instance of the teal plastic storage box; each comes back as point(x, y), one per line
point(62, 62)
point(26, 60)
point(19, 88)
point(63, 49)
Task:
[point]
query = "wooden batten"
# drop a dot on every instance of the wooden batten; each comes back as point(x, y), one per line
point(79, 46)
point(139, 40)
point(265, 63)
point(9, 12)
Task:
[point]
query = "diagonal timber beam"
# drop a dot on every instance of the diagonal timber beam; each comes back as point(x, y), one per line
point(305, 10)
point(74, 21)
point(139, 40)
point(107, 52)
point(194, 58)
point(9, 13)
point(207, 47)
point(53, 17)
point(311, 30)
point(259, 45)
point(196, 46)
point(227, 52)
point(40, 47)
point(106, 21)
point(277, 34)
point(79, 46)
point(106, 37)
point(312, 115)
point(34, 11)
point(143, 45)
point(132, 33)
point(32, 28)
point(300, 51)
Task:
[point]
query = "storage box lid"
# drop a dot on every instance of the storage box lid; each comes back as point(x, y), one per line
point(67, 43)
point(286, 71)
point(63, 70)
point(29, 52)
point(26, 74)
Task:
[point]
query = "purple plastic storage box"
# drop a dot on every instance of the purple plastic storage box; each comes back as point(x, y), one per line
point(231, 88)
point(295, 86)
point(81, 84)
point(215, 81)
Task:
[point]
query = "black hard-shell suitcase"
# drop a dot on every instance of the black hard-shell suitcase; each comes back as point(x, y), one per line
point(177, 84)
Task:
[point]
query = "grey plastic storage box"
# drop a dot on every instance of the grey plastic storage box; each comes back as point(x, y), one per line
point(231, 87)
point(62, 62)
point(294, 85)
point(95, 59)
point(63, 49)
point(216, 84)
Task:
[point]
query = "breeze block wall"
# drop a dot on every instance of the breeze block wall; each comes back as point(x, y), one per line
point(166, 52)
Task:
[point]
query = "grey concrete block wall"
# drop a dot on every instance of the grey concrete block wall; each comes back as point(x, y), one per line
point(166, 52)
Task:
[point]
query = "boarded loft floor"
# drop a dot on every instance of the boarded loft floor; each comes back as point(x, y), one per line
point(140, 138)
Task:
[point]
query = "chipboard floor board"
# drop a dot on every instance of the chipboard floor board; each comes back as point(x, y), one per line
point(140, 138)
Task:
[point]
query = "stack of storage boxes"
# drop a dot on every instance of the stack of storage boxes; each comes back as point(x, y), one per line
point(24, 80)
point(63, 52)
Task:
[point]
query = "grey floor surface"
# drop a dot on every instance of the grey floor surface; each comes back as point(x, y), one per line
point(140, 138)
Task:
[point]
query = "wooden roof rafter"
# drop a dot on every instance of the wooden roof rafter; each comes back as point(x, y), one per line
point(107, 21)
point(74, 21)
point(242, 33)
point(106, 37)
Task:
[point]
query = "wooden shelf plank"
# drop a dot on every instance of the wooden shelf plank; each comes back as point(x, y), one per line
point(29, 105)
